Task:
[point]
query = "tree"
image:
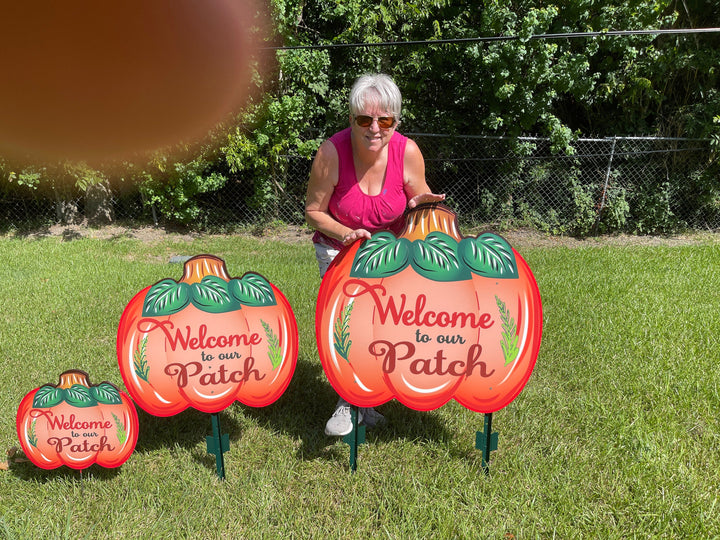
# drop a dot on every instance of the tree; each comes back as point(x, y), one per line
point(601, 85)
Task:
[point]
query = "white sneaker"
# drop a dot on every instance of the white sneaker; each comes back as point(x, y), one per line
point(372, 418)
point(340, 422)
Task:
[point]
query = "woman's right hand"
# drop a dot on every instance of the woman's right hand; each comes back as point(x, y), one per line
point(352, 236)
point(425, 198)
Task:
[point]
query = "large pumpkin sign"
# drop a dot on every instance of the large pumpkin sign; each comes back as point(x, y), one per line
point(207, 341)
point(77, 424)
point(429, 316)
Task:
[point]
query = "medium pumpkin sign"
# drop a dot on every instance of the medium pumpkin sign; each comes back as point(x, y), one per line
point(207, 341)
point(429, 316)
point(77, 424)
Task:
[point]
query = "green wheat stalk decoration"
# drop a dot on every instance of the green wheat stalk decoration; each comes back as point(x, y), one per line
point(121, 433)
point(274, 350)
point(341, 332)
point(32, 436)
point(509, 341)
point(142, 369)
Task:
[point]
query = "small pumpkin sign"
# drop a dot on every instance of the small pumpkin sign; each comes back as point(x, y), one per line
point(75, 423)
point(206, 341)
point(428, 316)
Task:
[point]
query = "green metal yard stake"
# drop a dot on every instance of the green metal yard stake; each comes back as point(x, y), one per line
point(218, 443)
point(355, 438)
point(486, 441)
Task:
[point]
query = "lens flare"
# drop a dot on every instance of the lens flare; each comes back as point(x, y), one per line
point(104, 80)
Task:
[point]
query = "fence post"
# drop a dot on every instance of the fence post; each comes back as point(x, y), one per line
point(605, 187)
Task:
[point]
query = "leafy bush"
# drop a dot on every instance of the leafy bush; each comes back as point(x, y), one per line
point(173, 188)
point(278, 125)
point(615, 212)
point(652, 212)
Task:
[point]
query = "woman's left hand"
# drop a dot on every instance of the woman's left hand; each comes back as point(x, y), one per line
point(425, 198)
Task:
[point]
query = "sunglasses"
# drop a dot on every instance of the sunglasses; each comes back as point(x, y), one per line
point(384, 122)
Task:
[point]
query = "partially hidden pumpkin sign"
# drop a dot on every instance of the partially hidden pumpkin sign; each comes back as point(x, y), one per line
point(429, 316)
point(206, 341)
point(77, 424)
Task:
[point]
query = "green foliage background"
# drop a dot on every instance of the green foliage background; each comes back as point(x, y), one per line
point(560, 87)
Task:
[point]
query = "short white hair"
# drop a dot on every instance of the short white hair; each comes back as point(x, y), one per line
point(385, 91)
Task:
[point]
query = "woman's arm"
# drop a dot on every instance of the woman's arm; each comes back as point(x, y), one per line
point(323, 179)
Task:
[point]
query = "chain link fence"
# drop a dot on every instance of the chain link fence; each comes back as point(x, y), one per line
point(638, 185)
point(631, 184)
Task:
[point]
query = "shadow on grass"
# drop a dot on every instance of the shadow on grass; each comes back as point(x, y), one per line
point(29, 471)
point(185, 429)
point(309, 401)
point(300, 413)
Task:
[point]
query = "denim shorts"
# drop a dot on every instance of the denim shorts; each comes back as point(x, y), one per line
point(324, 255)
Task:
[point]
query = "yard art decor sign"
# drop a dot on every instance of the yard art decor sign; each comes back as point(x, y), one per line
point(77, 424)
point(206, 341)
point(429, 316)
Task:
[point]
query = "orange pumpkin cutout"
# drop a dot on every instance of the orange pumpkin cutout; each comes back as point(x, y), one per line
point(77, 424)
point(429, 316)
point(207, 341)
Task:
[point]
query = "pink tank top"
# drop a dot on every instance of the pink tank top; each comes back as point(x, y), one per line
point(357, 210)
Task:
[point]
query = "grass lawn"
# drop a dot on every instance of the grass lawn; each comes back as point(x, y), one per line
point(616, 435)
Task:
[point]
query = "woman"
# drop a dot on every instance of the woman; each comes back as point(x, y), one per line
point(361, 181)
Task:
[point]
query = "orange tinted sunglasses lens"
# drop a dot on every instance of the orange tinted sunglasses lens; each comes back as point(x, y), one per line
point(384, 122)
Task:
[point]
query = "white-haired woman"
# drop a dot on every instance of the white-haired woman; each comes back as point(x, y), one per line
point(362, 180)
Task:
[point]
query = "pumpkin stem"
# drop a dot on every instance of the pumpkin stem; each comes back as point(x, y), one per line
point(204, 265)
point(431, 217)
point(72, 377)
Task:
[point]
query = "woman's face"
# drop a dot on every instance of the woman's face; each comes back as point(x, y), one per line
point(372, 138)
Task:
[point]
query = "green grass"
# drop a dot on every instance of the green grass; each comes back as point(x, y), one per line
point(616, 435)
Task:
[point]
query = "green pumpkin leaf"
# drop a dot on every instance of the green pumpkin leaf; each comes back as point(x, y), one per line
point(436, 258)
point(79, 396)
point(106, 393)
point(166, 297)
point(212, 295)
point(48, 396)
point(382, 256)
point(252, 290)
point(489, 255)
